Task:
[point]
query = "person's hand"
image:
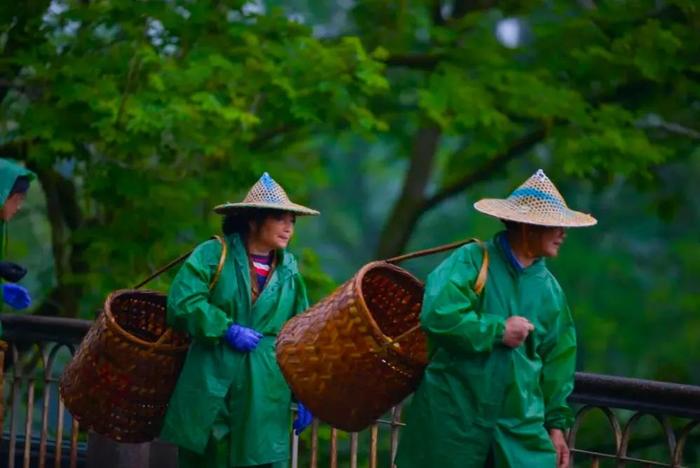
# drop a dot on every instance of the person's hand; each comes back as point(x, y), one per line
point(517, 329)
point(303, 419)
point(242, 339)
point(16, 296)
point(560, 446)
point(12, 272)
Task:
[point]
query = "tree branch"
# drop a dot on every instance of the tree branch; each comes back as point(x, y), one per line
point(420, 61)
point(134, 65)
point(464, 7)
point(436, 12)
point(485, 171)
point(267, 135)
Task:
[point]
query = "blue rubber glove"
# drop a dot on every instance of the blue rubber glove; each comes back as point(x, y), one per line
point(242, 339)
point(16, 296)
point(303, 419)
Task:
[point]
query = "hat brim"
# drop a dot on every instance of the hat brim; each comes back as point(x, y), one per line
point(228, 208)
point(509, 211)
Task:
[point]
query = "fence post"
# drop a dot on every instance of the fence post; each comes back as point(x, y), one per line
point(3, 348)
point(103, 452)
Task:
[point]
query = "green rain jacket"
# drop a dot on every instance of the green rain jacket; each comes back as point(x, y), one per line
point(215, 378)
point(478, 394)
point(9, 171)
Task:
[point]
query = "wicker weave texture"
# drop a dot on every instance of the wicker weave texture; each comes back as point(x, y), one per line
point(121, 378)
point(266, 193)
point(337, 356)
point(536, 201)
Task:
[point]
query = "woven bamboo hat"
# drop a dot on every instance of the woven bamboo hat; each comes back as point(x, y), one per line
point(537, 201)
point(266, 193)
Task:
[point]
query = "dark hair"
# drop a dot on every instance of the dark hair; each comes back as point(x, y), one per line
point(511, 225)
point(21, 185)
point(238, 222)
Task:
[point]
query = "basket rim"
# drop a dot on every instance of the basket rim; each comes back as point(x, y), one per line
point(112, 323)
point(357, 284)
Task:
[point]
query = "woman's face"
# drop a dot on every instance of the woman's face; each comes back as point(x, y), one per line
point(547, 240)
point(12, 206)
point(275, 232)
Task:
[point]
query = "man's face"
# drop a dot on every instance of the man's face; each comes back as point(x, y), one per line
point(12, 206)
point(550, 240)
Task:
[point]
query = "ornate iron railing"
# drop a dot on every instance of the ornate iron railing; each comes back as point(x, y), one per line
point(657, 400)
point(38, 431)
point(35, 347)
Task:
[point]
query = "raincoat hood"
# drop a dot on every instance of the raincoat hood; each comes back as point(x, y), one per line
point(9, 171)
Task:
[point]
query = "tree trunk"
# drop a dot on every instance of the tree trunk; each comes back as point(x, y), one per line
point(399, 225)
point(414, 202)
point(65, 217)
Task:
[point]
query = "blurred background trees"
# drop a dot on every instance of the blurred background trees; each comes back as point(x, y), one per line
point(392, 118)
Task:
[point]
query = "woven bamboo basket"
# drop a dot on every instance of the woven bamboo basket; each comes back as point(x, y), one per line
point(120, 381)
point(360, 351)
point(121, 378)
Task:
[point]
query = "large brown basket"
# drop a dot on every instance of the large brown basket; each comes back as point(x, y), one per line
point(360, 351)
point(120, 381)
point(333, 354)
point(121, 378)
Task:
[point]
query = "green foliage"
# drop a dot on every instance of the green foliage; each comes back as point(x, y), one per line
point(141, 116)
point(162, 110)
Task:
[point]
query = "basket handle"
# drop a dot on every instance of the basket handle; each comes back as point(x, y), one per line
point(164, 337)
point(478, 285)
point(432, 250)
point(169, 265)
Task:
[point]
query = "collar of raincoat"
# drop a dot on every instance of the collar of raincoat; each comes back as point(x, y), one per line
point(503, 247)
point(285, 261)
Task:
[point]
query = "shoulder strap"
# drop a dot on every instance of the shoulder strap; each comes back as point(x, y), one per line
point(168, 266)
point(222, 261)
point(483, 271)
point(478, 285)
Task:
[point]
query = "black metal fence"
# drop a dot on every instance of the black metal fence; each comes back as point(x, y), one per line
point(39, 432)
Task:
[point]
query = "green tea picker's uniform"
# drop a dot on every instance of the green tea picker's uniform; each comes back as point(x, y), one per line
point(9, 172)
point(477, 393)
point(479, 396)
point(232, 408)
point(225, 398)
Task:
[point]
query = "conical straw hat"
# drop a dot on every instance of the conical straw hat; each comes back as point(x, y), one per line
point(537, 201)
point(266, 193)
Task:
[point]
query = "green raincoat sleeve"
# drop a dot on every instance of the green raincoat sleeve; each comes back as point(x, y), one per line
point(449, 313)
point(558, 368)
point(189, 307)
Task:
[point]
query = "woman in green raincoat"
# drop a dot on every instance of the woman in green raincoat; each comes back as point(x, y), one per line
point(231, 405)
point(502, 362)
point(14, 183)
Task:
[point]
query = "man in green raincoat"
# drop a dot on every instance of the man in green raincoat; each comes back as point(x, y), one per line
point(231, 405)
point(14, 183)
point(502, 362)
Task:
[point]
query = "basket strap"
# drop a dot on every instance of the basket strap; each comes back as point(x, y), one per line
point(222, 261)
point(169, 265)
point(479, 284)
point(433, 250)
point(483, 271)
